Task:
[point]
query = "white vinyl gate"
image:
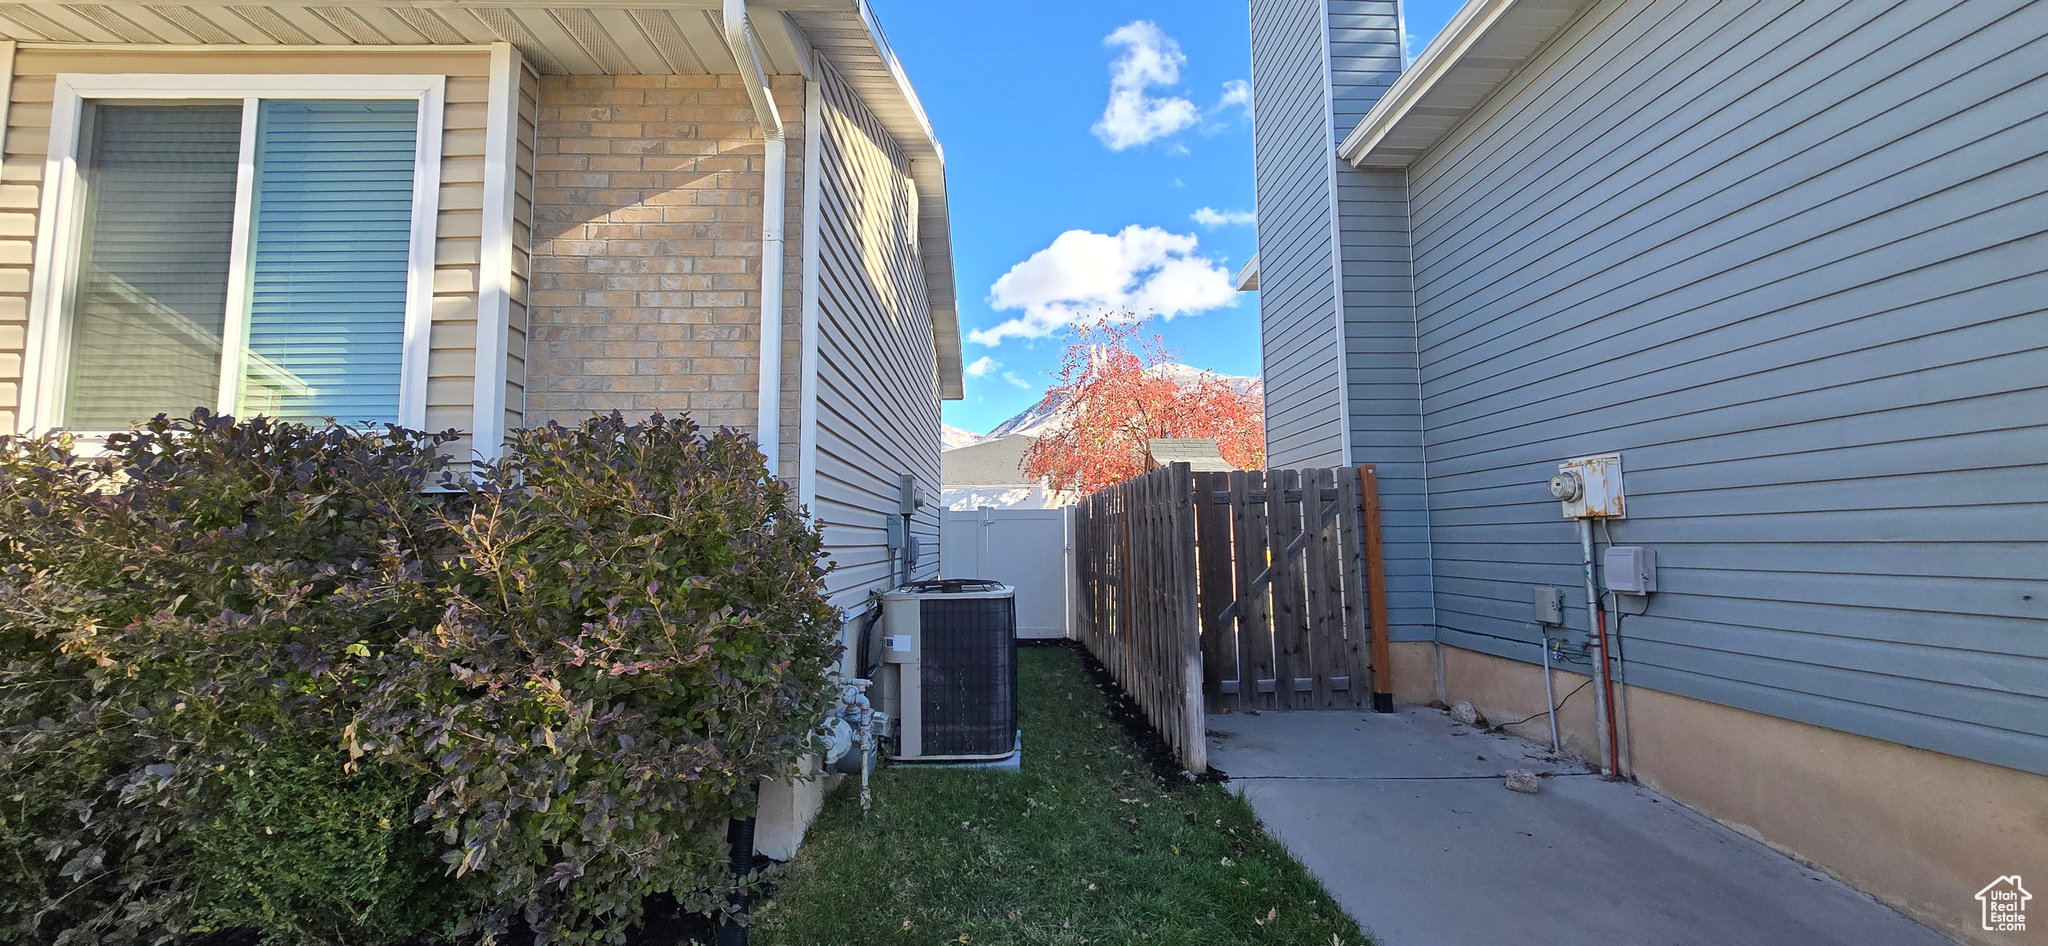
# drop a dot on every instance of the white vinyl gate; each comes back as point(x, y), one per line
point(1028, 548)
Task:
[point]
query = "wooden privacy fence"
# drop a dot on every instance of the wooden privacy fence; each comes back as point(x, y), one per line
point(1249, 590)
point(1135, 545)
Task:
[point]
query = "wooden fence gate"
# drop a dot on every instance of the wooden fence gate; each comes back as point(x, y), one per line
point(1244, 590)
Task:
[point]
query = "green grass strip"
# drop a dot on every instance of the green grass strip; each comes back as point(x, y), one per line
point(1084, 846)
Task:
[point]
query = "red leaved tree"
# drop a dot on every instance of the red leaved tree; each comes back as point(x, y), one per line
point(1117, 389)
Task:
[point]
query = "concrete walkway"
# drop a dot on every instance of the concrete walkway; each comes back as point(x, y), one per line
point(1405, 819)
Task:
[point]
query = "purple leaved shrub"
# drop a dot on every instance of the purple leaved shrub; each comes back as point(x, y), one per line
point(180, 616)
point(260, 675)
point(634, 635)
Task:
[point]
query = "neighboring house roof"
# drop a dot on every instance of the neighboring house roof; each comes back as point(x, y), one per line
point(998, 462)
point(1248, 277)
point(1485, 43)
point(1201, 453)
point(602, 37)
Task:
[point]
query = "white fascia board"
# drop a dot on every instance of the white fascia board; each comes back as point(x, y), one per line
point(935, 251)
point(928, 139)
point(1442, 55)
point(779, 6)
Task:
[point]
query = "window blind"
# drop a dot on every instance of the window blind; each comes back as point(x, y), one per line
point(158, 224)
point(332, 231)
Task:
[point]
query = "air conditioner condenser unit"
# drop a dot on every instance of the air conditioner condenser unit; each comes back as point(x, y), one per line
point(949, 670)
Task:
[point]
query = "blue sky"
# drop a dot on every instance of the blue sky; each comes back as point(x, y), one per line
point(1079, 119)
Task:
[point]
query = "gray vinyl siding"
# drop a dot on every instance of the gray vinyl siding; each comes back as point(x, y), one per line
point(1292, 154)
point(1365, 57)
point(1791, 261)
point(877, 384)
point(1382, 386)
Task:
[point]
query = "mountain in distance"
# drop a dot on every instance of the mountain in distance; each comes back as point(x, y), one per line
point(953, 438)
point(1034, 419)
point(1044, 415)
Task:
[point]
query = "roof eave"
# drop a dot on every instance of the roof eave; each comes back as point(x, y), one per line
point(1248, 276)
point(894, 100)
point(1487, 41)
point(844, 32)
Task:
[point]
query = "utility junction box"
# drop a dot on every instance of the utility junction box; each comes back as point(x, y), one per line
point(1631, 570)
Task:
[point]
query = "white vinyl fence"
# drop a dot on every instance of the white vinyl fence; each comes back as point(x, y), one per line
point(1030, 549)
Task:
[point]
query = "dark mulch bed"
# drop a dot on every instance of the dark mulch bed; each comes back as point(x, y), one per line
point(666, 925)
point(1129, 717)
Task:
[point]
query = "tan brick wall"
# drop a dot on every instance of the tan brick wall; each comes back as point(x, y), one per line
point(647, 255)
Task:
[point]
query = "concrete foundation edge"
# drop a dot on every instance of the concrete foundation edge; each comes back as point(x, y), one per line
point(787, 808)
point(1918, 830)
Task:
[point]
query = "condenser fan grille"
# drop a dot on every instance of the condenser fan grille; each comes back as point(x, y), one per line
point(970, 675)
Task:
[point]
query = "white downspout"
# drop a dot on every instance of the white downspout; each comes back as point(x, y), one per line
point(739, 38)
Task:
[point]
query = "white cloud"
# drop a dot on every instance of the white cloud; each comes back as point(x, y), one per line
point(1142, 270)
point(1236, 92)
point(980, 367)
point(1011, 376)
point(1133, 116)
point(1212, 218)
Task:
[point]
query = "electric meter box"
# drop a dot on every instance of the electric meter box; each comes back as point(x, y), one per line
point(1590, 488)
point(909, 495)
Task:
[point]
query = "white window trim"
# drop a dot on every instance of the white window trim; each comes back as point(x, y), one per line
point(57, 226)
point(495, 252)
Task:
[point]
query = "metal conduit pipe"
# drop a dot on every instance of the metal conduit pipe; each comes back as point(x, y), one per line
point(1550, 696)
point(739, 37)
point(1596, 628)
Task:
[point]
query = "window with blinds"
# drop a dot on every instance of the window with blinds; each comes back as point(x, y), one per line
point(305, 322)
point(150, 303)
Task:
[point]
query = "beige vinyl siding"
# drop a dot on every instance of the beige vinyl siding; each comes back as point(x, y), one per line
point(14, 224)
point(877, 385)
point(458, 248)
point(452, 359)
